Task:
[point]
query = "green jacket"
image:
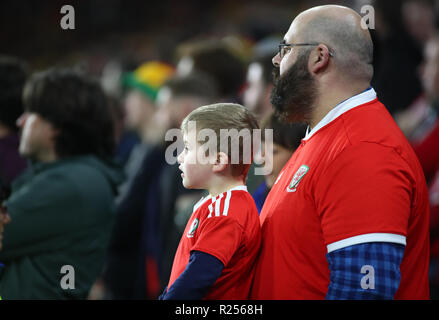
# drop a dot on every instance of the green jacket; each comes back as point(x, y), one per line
point(62, 214)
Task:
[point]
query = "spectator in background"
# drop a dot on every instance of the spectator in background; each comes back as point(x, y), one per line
point(13, 73)
point(132, 268)
point(256, 97)
point(419, 18)
point(422, 125)
point(141, 88)
point(4, 220)
point(286, 139)
point(419, 118)
point(396, 59)
point(62, 207)
point(176, 99)
point(428, 154)
point(259, 81)
point(218, 60)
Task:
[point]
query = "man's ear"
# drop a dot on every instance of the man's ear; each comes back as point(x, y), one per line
point(319, 59)
point(222, 161)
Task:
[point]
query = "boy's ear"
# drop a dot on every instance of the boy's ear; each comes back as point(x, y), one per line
point(222, 161)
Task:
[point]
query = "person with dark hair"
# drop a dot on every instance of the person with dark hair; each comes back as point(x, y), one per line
point(62, 207)
point(395, 47)
point(216, 59)
point(275, 153)
point(13, 73)
point(256, 97)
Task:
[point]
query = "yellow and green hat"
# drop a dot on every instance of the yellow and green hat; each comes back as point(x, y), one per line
point(148, 77)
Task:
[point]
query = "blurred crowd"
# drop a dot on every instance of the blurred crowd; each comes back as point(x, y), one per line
point(83, 134)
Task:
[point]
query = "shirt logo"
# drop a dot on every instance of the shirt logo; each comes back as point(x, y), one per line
point(297, 177)
point(192, 229)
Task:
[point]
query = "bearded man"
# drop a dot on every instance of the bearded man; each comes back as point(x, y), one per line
point(348, 216)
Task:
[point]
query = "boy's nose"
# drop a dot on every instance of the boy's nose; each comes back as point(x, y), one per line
point(180, 158)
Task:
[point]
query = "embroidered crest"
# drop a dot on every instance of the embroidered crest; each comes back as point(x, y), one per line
point(297, 177)
point(193, 227)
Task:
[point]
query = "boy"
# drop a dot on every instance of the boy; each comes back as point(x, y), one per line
point(216, 254)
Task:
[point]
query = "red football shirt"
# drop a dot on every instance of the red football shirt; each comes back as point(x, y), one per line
point(226, 226)
point(354, 179)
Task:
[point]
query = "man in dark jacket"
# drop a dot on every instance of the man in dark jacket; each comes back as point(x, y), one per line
point(13, 74)
point(62, 207)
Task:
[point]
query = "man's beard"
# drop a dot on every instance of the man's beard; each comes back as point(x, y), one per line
point(294, 94)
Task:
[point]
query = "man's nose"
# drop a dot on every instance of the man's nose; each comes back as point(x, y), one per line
point(276, 60)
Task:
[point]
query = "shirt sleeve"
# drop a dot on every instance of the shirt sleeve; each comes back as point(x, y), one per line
point(365, 271)
point(221, 235)
point(365, 195)
point(198, 277)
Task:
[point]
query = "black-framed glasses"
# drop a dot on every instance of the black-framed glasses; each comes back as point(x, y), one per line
point(284, 48)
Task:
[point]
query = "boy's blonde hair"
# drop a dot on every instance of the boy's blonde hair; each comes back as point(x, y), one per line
point(221, 118)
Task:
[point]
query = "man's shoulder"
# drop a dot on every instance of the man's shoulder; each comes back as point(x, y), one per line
point(372, 123)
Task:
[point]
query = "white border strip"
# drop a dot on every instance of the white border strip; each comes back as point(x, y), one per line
point(240, 188)
point(355, 101)
point(364, 238)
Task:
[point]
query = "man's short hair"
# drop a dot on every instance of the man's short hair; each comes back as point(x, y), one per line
point(13, 74)
point(78, 109)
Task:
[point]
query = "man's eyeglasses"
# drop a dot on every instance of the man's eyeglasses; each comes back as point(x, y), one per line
point(284, 48)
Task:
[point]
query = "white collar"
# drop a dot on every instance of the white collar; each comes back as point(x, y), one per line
point(342, 107)
point(204, 199)
point(241, 188)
